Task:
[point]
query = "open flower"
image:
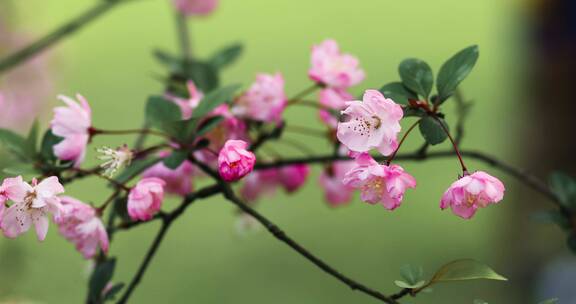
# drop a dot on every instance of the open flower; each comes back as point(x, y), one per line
point(336, 192)
point(234, 161)
point(195, 7)
point(371, 123)
point(73, 123)
point(264, 101)
point(379, 183)
point(32, 203)
point(332, 68)
point(178, 181)
point(332, 102)
point(473, 191)
point(145, 199)
point(79, 223)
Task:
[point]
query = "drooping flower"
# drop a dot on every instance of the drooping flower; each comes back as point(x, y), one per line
point(178, 181)
point(79, 223)
point(114, 159)
point(472, 191)
point(264, 101)
point(333, 101)
point(336, 192)
point(145, 199)
point(195, 7)
point(32, 203)
point(293, 177)
point(73, 123)
point(379, 183)
point(332, 68)
point(234, 161)
point(371, 123)
point(187, 105)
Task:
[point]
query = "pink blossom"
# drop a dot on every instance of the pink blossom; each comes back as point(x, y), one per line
point(230, 128)
point(293, 177)
point(259, 183)
point(333, 99)
point(371, 123)
point(79, 223)
point(73, 123)
point(188, 105)
point(379, 183)
point(336, 192)
point(195, 7)
point(332, 68)
point(234, 161)
point(178, 181)
point(264, 101)
point(470, 192)
point(145, 199)
point(31, 205)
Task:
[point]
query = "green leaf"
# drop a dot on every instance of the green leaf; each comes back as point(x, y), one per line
point(412, 274)
point(172, 62)
point(111, 294)
point(175, 159)
point(20, 169)
point(204, 75)
point(14, 143)
point(479, 301)
point(135, 168)
point(226, 56)
point(564, 186)
point(100, 277)
point(213, 99)
point(417, 76)
point(403, 284)
point(161, 113)
point(550, 301)
point(432, 131)
point(397, 92)
point(455, 70)
point(49, 140)
point(465, 269)
point(32, 140)
point(208, 125)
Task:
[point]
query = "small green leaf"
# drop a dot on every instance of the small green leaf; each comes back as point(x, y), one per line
point(213, 99)
point(100, 277)
point(47, 147)
point(465, 269)
point(417, 76)
point(564, 186)
point(455, 70)
point(397, 92)
point(432, 131)
point(479, 301)
point(208, 125)
point(204, 75)
point(550, 301)
point(412, 274)
point(161, 113)
point(135, 168)
point(403, 284)
point(226, 56)
point(32, 140)
point(111, 294)
point(14, 143)
point(173, 63)
point(20, 169)
point(175, 159)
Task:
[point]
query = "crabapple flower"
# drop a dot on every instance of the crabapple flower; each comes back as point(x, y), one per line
point(73, 123)
point(264, 101)
point(335, 100)
point(259, 183)
point(178, 181)
point(234, 161)
point(79, 223)
point(293, 177)
point(379, 183)
point(371, 123)
point(336, 193)
point(145, 199)
point(332, 68)
point(187, 106)
point(32, 203)
point(114, 159)
point(470, 192)
point(195, 7)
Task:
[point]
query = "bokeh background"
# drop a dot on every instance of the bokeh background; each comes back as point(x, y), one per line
point(205, 259)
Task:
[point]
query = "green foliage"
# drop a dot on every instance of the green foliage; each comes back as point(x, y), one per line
point(454, 71)
point(204, 75)
point(49, 140)
point(135, 168)
point(480, 301)
point(413, 277)
point(213, 99)
point(114, 290)
point(15, 143)
point(226, 56)
point(397, 92)
point(417, 76)
point(100, 277)
point(564, 186)
point(175, 159)
point(432, 131)
point(552, 217)
point(465, 269)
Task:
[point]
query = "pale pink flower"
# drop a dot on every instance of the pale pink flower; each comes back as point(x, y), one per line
point(79, 223)
point(332, 68)
point(336, 192)
point(234, 161)
point(188, 105)
point(333, 101)
point(264, 101)
point(178, 181)
point(230, 128)
point(379, 183)
point(293, 177)
point(195, 7)
point(145, 199)
point(259, 183)
point(32, 203)
point(371, 123)
point(73, 123)
point(472, 191)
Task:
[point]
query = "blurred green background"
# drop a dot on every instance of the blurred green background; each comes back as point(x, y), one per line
point(204, 259)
